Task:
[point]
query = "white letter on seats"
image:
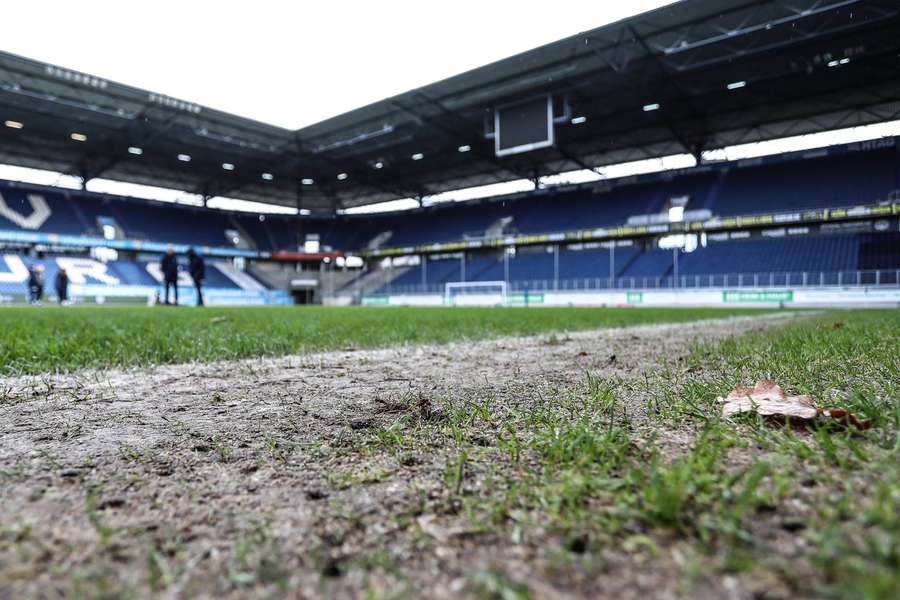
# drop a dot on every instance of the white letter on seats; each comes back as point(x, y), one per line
point(18, 272)
point(40, 212)
point(79, 268)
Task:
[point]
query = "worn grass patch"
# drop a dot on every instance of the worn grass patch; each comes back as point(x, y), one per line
point(38, 340)
point(586, 465)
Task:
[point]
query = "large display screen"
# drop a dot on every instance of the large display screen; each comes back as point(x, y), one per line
point(523, 126)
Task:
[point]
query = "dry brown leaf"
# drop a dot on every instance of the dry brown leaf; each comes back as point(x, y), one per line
point(846, 418)
point(769, 400)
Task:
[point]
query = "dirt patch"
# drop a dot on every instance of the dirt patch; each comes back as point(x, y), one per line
point(319, 475)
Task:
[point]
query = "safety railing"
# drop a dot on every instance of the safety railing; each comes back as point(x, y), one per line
point(771, 280)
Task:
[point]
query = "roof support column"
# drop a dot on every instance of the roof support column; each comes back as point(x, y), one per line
point(697, 152)
point(897, 168)
point(335, 204)
point(299, 197)
point(85, 177)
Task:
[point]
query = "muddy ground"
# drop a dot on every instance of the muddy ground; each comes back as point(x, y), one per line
point(311, 476)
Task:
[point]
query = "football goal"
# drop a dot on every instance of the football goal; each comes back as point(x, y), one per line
point(475, 293)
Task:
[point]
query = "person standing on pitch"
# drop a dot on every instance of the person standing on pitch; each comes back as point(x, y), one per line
point(62, 286)
point(169, 267)
point(197, 269)
point(35, 284)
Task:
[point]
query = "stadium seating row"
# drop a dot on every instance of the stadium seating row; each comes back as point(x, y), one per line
point(825, 254)
point(819, 180)
point(114, 274)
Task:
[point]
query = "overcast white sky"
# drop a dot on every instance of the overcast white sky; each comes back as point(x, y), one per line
point(291, 63)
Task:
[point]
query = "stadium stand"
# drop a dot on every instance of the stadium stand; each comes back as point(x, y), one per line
point(79, 213)
point(819, 182)
point(126, 278)
point(878, 251)
point(819, 179)
point(269, 233)
point(40, 210)
point(778, 184)
point(436, 272)
point(649, 264)
point(821, 255)
point(829, 178)
point(814, 253)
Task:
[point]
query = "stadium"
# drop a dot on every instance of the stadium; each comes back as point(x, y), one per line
point(484, 338)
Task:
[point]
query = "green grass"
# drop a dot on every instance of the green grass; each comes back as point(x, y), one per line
point(38, 340)
point(850, 479)
point(578, 466)
point(642, 467)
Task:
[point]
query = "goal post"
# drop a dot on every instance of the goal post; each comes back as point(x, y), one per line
point(475, 293)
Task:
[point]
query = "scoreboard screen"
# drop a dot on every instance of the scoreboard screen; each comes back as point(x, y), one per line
point(523, 126)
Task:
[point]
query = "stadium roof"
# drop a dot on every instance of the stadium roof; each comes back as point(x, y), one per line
point(694, 75)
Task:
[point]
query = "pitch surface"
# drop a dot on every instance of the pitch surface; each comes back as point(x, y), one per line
point(587, 464)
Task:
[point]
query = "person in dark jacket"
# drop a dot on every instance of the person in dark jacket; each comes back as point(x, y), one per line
point(197, 269)
point(62, 286)
point(169, 267)
point(35, 284)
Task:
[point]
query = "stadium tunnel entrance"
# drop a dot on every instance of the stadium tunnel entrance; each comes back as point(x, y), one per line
point(304, 296)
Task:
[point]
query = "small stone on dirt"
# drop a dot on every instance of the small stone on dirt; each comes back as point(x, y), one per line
point(793, 524)
point(361, 423)
point(111, 503)
point(316, 494)
point(410, 460)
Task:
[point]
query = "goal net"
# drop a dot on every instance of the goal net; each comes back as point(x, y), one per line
point(475, 293)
